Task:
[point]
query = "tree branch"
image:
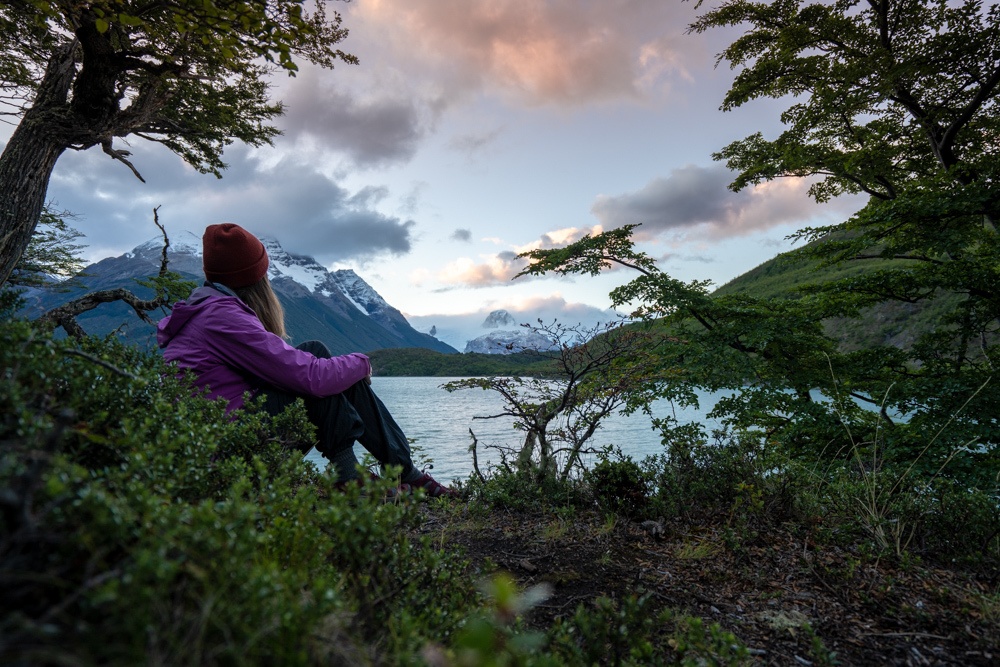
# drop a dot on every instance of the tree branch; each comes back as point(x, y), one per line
point(100, 362)
point(121, 156)
point(65, 315)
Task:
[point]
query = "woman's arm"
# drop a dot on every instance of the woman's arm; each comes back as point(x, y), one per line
point(241, 340)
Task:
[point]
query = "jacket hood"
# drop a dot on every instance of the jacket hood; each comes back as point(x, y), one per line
point(184, 311)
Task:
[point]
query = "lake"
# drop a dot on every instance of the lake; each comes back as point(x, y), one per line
point(439, 422)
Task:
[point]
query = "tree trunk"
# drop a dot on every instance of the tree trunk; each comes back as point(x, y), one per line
point(29, 158)
point(25, 167)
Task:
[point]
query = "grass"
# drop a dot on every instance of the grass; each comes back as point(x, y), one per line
point(886, 503)
point(697, 550)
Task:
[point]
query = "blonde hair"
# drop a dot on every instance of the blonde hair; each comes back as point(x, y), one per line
point(264, 302)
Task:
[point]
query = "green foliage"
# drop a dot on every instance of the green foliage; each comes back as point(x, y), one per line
point(940, 520)
point(509, 488)
point(52, 253)
point(779, 363)
point(169, 287)
point(191, 75)
point(138, 524)
point(738, 479)
point(607, 632)
point(619, 485)
point(627, 633)
point(590, 255)
point(883, 95)
point(897, 100)
point(191, 70)
point(494, 638)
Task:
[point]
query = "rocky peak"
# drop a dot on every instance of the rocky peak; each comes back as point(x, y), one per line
point(499, 319)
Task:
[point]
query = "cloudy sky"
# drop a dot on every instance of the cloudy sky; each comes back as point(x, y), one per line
point(473, 130)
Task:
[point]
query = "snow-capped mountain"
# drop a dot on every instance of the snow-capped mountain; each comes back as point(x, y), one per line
point(499, 319)
point(507, 340)
point(336, 307)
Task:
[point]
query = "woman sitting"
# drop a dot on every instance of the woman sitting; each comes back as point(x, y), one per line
point(231, 334)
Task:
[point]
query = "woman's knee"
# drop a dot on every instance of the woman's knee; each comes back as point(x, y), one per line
point(316, 348)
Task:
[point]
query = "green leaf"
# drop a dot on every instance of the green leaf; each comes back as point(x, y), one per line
point(129, 20)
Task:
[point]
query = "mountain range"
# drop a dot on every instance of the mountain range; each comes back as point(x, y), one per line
point(342, 310)
point(336, 307)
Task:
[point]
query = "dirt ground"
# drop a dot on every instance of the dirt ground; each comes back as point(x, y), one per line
point(789, 601)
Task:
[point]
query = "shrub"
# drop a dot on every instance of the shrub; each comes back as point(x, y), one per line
point(139, 525)
point(736, 475)
point(941, 520)
point(509, 488)
point(627, 633)
point(620, 486)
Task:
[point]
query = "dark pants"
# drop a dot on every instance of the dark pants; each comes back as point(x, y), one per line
point(357, 414)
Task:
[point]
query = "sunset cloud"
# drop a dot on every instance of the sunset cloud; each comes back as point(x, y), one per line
point(697, 200)
point(501, 268)
point(495, 270)
point(563, 52)
point(558, 238)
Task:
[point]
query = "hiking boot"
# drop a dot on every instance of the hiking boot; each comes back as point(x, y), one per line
point(432, 487)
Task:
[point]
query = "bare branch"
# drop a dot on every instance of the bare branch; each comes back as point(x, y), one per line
point(121, 156)
point(66, 314)
point(475, 455)
point(100, 362)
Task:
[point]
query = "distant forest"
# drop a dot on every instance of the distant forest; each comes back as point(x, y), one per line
point(421, 362)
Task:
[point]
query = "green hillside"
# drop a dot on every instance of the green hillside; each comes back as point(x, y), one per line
point(890, 323)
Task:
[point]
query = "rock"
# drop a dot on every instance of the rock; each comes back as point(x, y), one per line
point(654, 528)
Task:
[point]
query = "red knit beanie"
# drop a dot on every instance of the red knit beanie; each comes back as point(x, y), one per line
point(233, 256)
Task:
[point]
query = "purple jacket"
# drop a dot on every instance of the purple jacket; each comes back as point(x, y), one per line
point(219, 338)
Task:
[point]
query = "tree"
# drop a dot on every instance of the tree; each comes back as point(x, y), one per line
point(896, 100)
point(762, 349)
point(597, 371)
point(188, 74)
point(51, 259)
point(167, 285)
point(888, 94)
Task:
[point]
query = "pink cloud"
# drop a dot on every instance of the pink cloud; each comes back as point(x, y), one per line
point(496, 270)
point(562, 52)
point(501, 268)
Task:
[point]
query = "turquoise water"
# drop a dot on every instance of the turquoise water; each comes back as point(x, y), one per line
point(439, 422)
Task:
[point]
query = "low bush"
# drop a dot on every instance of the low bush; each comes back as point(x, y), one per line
point(736, 476)
point(940, 520)
point(627, 632)
point(139, 525)
point(509, 488)
point(620, 486)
